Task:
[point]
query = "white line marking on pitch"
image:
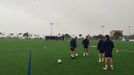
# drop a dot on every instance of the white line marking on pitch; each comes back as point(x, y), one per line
point(125, 50)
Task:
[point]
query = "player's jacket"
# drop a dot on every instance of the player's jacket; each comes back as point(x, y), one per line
point(73, 43)
point(85, 42)
point(100, 45)
point(108, 45)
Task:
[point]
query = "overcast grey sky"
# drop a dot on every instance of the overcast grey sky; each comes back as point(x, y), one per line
point(68, 16)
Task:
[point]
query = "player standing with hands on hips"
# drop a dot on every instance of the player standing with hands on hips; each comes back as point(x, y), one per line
point(108, 48)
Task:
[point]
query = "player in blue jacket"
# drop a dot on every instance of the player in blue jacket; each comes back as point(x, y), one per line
point(85, 43)
point(108, 48)
point(100, 50)
point(73, 45)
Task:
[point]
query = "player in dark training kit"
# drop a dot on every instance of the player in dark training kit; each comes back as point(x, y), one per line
point(108, 48)
point(85, 43)
point(100, 50)
point(73, 45)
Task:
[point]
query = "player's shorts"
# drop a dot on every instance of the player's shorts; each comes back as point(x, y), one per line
point(72, 48)
point(108, 54)
point(101, 51)
point(86, 47)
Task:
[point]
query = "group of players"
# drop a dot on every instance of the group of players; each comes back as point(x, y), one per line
point(105, 47)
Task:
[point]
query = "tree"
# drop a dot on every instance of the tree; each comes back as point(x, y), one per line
point(0, 33)
point(59, 34)
point(67, 36)
point(80, 35)
point(117, 35)
point(100, 36)
point(19, 33)
point(26, 35)
point(11, 34)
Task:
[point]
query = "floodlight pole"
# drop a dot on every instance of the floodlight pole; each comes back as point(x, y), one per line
point(102, 29)
point(129, 31)
point(51, 28)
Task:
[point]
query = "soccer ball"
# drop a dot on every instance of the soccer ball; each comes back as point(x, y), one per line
point(59, 61)
point(76, 54)
point(72, 56)
point(117, 51)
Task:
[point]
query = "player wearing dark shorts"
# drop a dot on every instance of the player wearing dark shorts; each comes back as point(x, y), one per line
point(101, 50)
point(73, 46)
point(85, 43)
point(108, 48)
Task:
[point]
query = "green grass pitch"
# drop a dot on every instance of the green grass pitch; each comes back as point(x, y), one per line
point(14, 58)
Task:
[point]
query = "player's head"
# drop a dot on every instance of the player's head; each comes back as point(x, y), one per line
point(107, 37)
point(86, 37)
point(75, 37)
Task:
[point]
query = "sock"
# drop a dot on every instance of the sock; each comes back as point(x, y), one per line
point(106, 66)
point(86, 53)
point(102, 59)
point(73, 55)
point(99, 59)
point(111, 66)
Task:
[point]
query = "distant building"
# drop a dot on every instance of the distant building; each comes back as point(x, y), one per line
point(114, 31)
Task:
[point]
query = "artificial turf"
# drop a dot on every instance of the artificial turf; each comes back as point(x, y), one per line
point(14, 57)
